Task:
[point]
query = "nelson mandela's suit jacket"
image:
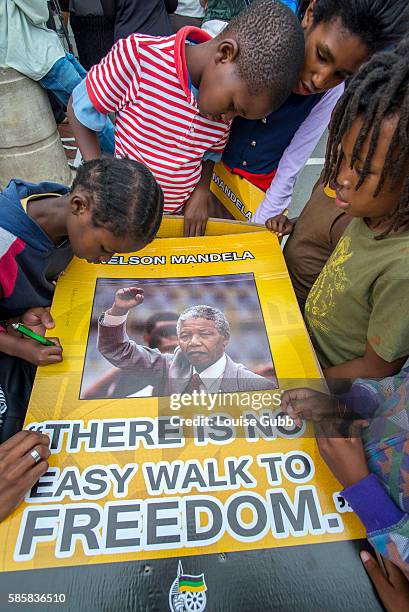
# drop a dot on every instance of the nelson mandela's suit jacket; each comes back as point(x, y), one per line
point(169, 373)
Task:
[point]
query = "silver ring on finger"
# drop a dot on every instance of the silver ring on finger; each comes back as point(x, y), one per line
point(35, 455)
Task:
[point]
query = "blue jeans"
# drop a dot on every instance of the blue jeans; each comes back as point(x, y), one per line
point(63, 77)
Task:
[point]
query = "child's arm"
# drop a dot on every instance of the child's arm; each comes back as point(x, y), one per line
point(86, 138)
point(107, 88)
point(368, 366)
point(38, 320)
point(386, 524)
point(196, 207)
point(30, 350)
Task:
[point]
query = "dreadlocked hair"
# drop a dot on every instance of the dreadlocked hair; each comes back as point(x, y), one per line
point(380, 90)
point(126, 199)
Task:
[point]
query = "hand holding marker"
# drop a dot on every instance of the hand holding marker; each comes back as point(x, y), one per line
point(30, 334)
point(32, 326)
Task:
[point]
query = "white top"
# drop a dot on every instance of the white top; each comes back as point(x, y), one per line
point(190, 8)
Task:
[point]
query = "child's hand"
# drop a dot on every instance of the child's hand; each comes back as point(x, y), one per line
point(38, 354)
point(125, 299)
point(196, 213)
point(38, 320)
point(280, 225)
point(345, 457)
point(311, 405)
point(392, 590)
point(18, 469)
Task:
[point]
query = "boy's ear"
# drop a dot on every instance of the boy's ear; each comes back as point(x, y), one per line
point(79, 203)
point(227, 51)
point(308, 18)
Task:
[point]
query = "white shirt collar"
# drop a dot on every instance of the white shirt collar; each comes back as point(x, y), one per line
point(214, 371)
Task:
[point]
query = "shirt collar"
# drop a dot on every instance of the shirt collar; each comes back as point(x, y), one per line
point(215, 370)
point(196, 35)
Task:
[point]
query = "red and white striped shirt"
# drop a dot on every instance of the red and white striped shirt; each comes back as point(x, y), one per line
point(144, 80)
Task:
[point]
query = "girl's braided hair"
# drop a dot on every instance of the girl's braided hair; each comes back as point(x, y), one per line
point(378, 91)
point(126, 199)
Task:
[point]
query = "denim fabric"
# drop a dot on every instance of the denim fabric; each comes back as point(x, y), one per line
point(63, 77)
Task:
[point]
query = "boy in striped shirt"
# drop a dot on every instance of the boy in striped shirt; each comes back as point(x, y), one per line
point(175, 97)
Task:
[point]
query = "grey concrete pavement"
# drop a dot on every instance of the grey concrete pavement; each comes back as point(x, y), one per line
point(308, 178)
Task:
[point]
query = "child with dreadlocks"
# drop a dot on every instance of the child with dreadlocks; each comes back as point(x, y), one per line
point(175, 97)
point(356, 311)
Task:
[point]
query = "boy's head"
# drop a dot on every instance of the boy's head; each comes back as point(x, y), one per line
point(254, 64)
point(368, 146)
point(115, 205)
point(341, 34)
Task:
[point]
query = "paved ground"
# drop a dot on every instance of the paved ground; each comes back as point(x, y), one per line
point(307, 178)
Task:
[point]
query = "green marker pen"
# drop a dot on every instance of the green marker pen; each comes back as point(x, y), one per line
point(30, 334)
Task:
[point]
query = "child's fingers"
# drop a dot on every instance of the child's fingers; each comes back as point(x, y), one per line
point(272, 224)
point(51, 359)
point(356, 427)
point(282, 222)
point(395, 575)
point(200, 226)
point(22, 443)
point(187, 227)
point(57, 345)
point(193, 231)
point(375, 573)
point(46, 319)
point(26, 462)
point(197, 228)
point(294, 415)
point(285, 401)
point(287, 229)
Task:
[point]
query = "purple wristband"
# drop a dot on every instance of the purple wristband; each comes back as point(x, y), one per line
point(371, 502)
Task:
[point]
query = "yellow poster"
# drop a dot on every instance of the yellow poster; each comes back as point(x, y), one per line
point(167, 440)
point(238, 195)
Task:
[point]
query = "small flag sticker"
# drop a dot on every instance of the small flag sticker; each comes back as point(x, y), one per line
point(195, 584)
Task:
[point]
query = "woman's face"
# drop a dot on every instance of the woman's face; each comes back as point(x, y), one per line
point(332, 54)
